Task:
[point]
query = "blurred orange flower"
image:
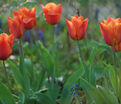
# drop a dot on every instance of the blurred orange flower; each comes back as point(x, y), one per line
point(111, 31)
point(16, 26)
point(52, 12)
point(29, 18)
point(77, 27)
point(6, 43)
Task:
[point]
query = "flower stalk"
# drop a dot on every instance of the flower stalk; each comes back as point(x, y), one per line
point(116, 73)
point(21, 52)
point(78, 44)
point(6, 73)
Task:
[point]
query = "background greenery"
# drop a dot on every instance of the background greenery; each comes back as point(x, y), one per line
point(61, 62)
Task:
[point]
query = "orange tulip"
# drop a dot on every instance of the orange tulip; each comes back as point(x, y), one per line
point(29, 18)
point(77, 27)
point(16, 26)
point(111, 31)
point(52, 13)
point(6, 43)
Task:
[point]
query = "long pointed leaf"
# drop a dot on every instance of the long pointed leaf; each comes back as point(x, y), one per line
point(5, 95)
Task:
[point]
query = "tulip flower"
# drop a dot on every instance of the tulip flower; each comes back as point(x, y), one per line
point(29, 18)
point(52, 12)
point(6, 43)
point(16, 26)
point(117, 48)
point(111, 31)
point(77, 27)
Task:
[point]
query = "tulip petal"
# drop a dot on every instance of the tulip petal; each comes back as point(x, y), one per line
point(71, 29)
point(51, 6)
point(81, 29)
point(59, 8)
point(45, 10)
point(16, 26)
point(104, 21)
point(32, 12)
point(76, 16)
point(15, 13)
point(27, 14)
point(80, 18)
point(5, 46)
point(42, 6)
point(107, 35)
point(109, 19)
point(118, 32)
point(11, 39)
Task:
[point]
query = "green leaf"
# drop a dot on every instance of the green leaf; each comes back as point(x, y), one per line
point(16, 73)
point(92, 56)
point(22, 98)
point(40, 79)
point(99, 45)
point(47, 59)
point(112, 76)
point(99, 95)
point(92, 78)
point(43, 99)
point(5, 95)
point(66, 96)
point(108, 95)
point(20, 78)
point(84, 68)
point(53, 87)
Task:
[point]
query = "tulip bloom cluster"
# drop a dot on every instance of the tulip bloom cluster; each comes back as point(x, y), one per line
point(22, 19)
point(76, 27)
point(26, 19)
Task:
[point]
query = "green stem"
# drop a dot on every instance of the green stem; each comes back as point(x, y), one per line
point(31, 37)
point(31, 53)
point(54, 46)
point(54, 34)
point(119, 76)
point(119, 60)
point(116, 73)
point(6, 73)
point(79, 48)
point(21, 52)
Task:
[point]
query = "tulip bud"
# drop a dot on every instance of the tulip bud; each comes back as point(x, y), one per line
point(16, 26)
point(6, 43)
point(29, 18)
point(111, 31)
point(77, 27)
point(52, 12)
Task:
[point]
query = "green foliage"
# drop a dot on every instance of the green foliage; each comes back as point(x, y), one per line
point(66, 97)
point(45, 74)
point(99, 94)
point(47, 60)
point(5, 95)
